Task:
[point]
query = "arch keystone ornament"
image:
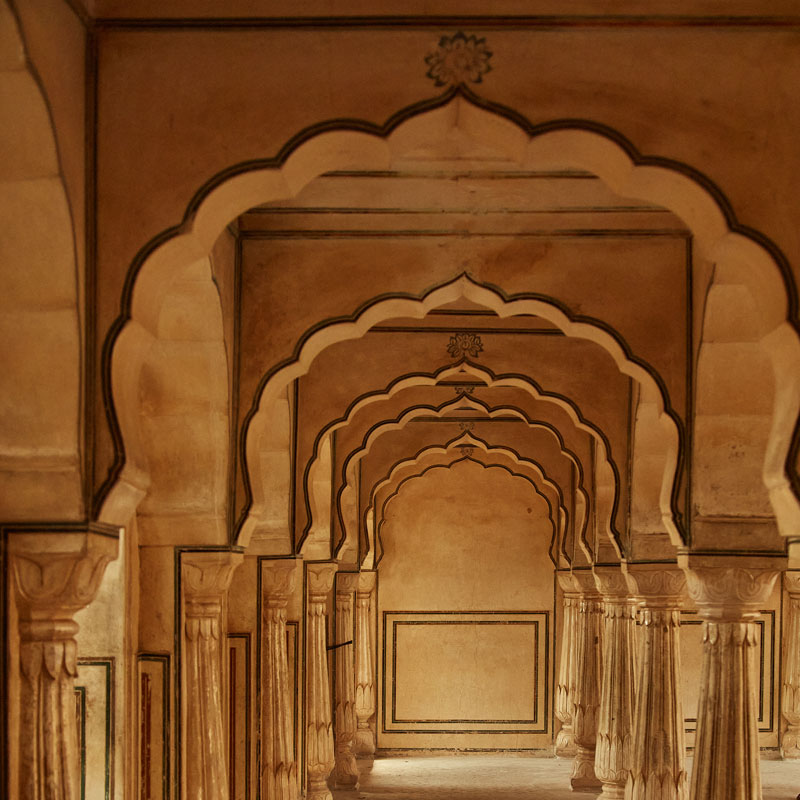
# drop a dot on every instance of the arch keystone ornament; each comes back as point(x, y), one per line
point(728, 598)
point(55, 574)
point(459, 59)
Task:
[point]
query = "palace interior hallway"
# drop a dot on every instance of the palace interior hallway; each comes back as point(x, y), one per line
point(399, 377)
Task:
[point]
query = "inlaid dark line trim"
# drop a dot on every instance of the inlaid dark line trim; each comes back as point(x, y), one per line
point(510, 22)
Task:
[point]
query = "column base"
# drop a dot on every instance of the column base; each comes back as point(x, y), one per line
point(612, 792)
point(583, 778)
point(565, 746)
point(790, 745)
point(318, 790)
point(345, 774)
point(364, 743)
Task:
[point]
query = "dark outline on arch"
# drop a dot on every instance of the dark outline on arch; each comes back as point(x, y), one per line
point(379, 541)
point(452, 443)
point(386, 393)
point(569, 454)
point(383, 131)
point(382, 423)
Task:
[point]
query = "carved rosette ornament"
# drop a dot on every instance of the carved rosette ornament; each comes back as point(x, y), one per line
point(587, 681)
point(790, 693)
point(279, 769)
point(726, 760)
point(658, 752)
point(206, 577)
point(55, 574)
point(365, 676)
point(615, 717)
point(320, 757)
point(565, 710)
point(346, 769)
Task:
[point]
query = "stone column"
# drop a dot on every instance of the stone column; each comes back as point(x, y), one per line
point(346, 770)
point(790, 698)
point(365, 674)
point(54, 574)
point(659, 750)
point(279, 770)
point(319, 728)
point(206, 577)
point(726, 745)
point(565, 688)
point(587, 683)
point(615, 717)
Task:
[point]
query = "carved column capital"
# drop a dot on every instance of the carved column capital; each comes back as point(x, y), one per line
point(277, 581)
point(728, 591)
point(567, 583)
point(610, 582)
point(583, 580)
point(791, 580)
point(58, 573)
point(366, 582)
point(320, 580)
point(656, 584)
point(54, 573)
point(208, 573)
point(346, 583)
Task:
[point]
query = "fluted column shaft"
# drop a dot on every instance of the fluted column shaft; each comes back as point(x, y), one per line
point(588, 673)
point(279, 769)
point(658, 752)
point(726, 763)
point(615, 717)
point(346, 770)
point(790, 691)
point(565, 688)
point(365, 676)
point(53, 579)
point(320, 758)
point(206, 579)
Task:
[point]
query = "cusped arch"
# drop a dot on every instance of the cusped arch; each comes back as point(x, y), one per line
point(607, 470)
point(740, 253)
point(464, 446)
point(347, 491)
point(449, 465)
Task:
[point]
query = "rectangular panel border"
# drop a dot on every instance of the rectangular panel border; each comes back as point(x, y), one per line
point(542, 646)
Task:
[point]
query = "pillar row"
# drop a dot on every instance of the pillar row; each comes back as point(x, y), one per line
point(726, 762)
point(206, 578)
point(658, 752)
point(279, 769)
point(55, 574)
point(365, 672)
point(615, 716)
point(587, 682)
point(320, 758)
point(565, 686)
point(790, 691)
point(346, 770)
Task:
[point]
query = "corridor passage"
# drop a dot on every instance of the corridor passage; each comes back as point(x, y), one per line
point(506, 778)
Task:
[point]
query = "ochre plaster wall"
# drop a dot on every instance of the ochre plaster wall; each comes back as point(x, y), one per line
point(466, 560)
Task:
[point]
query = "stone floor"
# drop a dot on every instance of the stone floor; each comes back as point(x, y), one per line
point(505, 778)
